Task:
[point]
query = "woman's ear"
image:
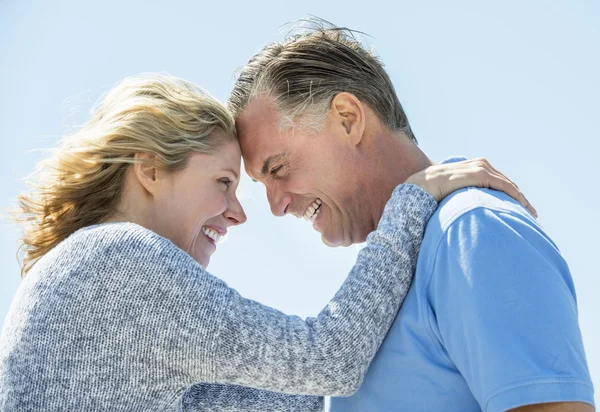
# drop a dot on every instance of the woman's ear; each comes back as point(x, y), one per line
point(349, 112)
point(145, 171)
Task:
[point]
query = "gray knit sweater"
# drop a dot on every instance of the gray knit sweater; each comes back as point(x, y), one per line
point(117, 318)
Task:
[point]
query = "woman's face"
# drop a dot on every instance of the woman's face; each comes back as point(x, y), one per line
point(196, 205)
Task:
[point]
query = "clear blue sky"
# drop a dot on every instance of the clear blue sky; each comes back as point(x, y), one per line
point(517, 82)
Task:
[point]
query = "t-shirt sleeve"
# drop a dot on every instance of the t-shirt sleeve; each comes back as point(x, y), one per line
point(505, 312)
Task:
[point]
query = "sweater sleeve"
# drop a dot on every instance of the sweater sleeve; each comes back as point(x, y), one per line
point(209, 397)
point(260, 347)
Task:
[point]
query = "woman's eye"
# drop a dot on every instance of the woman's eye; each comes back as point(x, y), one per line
point(226, 181)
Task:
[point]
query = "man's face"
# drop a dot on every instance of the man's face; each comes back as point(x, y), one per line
point(315, 176)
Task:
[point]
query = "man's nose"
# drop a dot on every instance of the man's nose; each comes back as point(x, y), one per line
point(278, 200)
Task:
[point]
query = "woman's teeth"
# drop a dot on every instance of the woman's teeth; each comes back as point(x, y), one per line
point(211, 233)
point(313, 210)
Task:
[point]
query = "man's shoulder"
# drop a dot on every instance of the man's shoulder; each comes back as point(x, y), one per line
point(481, 217)
point(469, 199)
point(479, 204)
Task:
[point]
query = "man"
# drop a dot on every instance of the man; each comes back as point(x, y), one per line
point(490, 322)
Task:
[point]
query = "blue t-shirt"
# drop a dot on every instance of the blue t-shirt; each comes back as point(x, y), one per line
point(490, 322)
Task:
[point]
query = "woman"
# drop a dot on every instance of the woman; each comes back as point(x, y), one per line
point(116, 310)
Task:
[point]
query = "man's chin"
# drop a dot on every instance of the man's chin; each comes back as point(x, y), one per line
point(337, 241)
point(332, 241)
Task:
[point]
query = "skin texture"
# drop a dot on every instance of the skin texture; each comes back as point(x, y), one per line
point(177, 205)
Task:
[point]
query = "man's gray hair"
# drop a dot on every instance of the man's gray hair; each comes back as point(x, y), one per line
point(305, 71)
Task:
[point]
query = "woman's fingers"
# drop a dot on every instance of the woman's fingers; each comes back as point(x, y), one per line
point(441, 180)
point(497, 181)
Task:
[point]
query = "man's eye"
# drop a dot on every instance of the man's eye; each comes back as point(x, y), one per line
point(275, 170)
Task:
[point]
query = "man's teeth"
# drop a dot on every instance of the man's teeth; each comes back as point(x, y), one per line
point(313, 210)
point(211, 233)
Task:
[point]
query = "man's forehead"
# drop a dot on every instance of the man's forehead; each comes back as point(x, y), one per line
point(255, 151)
point(258, 111)
point(254, 122)
point(258, 133)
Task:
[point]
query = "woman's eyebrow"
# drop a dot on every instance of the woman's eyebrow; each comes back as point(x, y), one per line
point(233, 172)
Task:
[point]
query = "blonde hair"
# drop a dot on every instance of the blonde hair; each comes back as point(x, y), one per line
point(81, 183)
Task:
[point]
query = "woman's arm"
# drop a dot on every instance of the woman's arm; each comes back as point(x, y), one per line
point(261, 347)
point(319, 354)
point(210, 397)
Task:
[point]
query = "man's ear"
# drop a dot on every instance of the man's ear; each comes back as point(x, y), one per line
point(349, 114)
point(145, 171)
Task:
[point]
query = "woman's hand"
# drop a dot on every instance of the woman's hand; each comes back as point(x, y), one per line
point(441, 180)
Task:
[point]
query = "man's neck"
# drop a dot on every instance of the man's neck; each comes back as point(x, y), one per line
point(394, 158)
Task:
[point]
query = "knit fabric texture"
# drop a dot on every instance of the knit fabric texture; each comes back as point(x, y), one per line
point(118, 318)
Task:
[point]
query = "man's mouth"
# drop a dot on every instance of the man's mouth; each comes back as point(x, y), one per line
point(312, 211)
point(211, 233)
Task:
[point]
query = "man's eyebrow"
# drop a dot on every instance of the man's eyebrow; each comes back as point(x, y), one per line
point(271, 159)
